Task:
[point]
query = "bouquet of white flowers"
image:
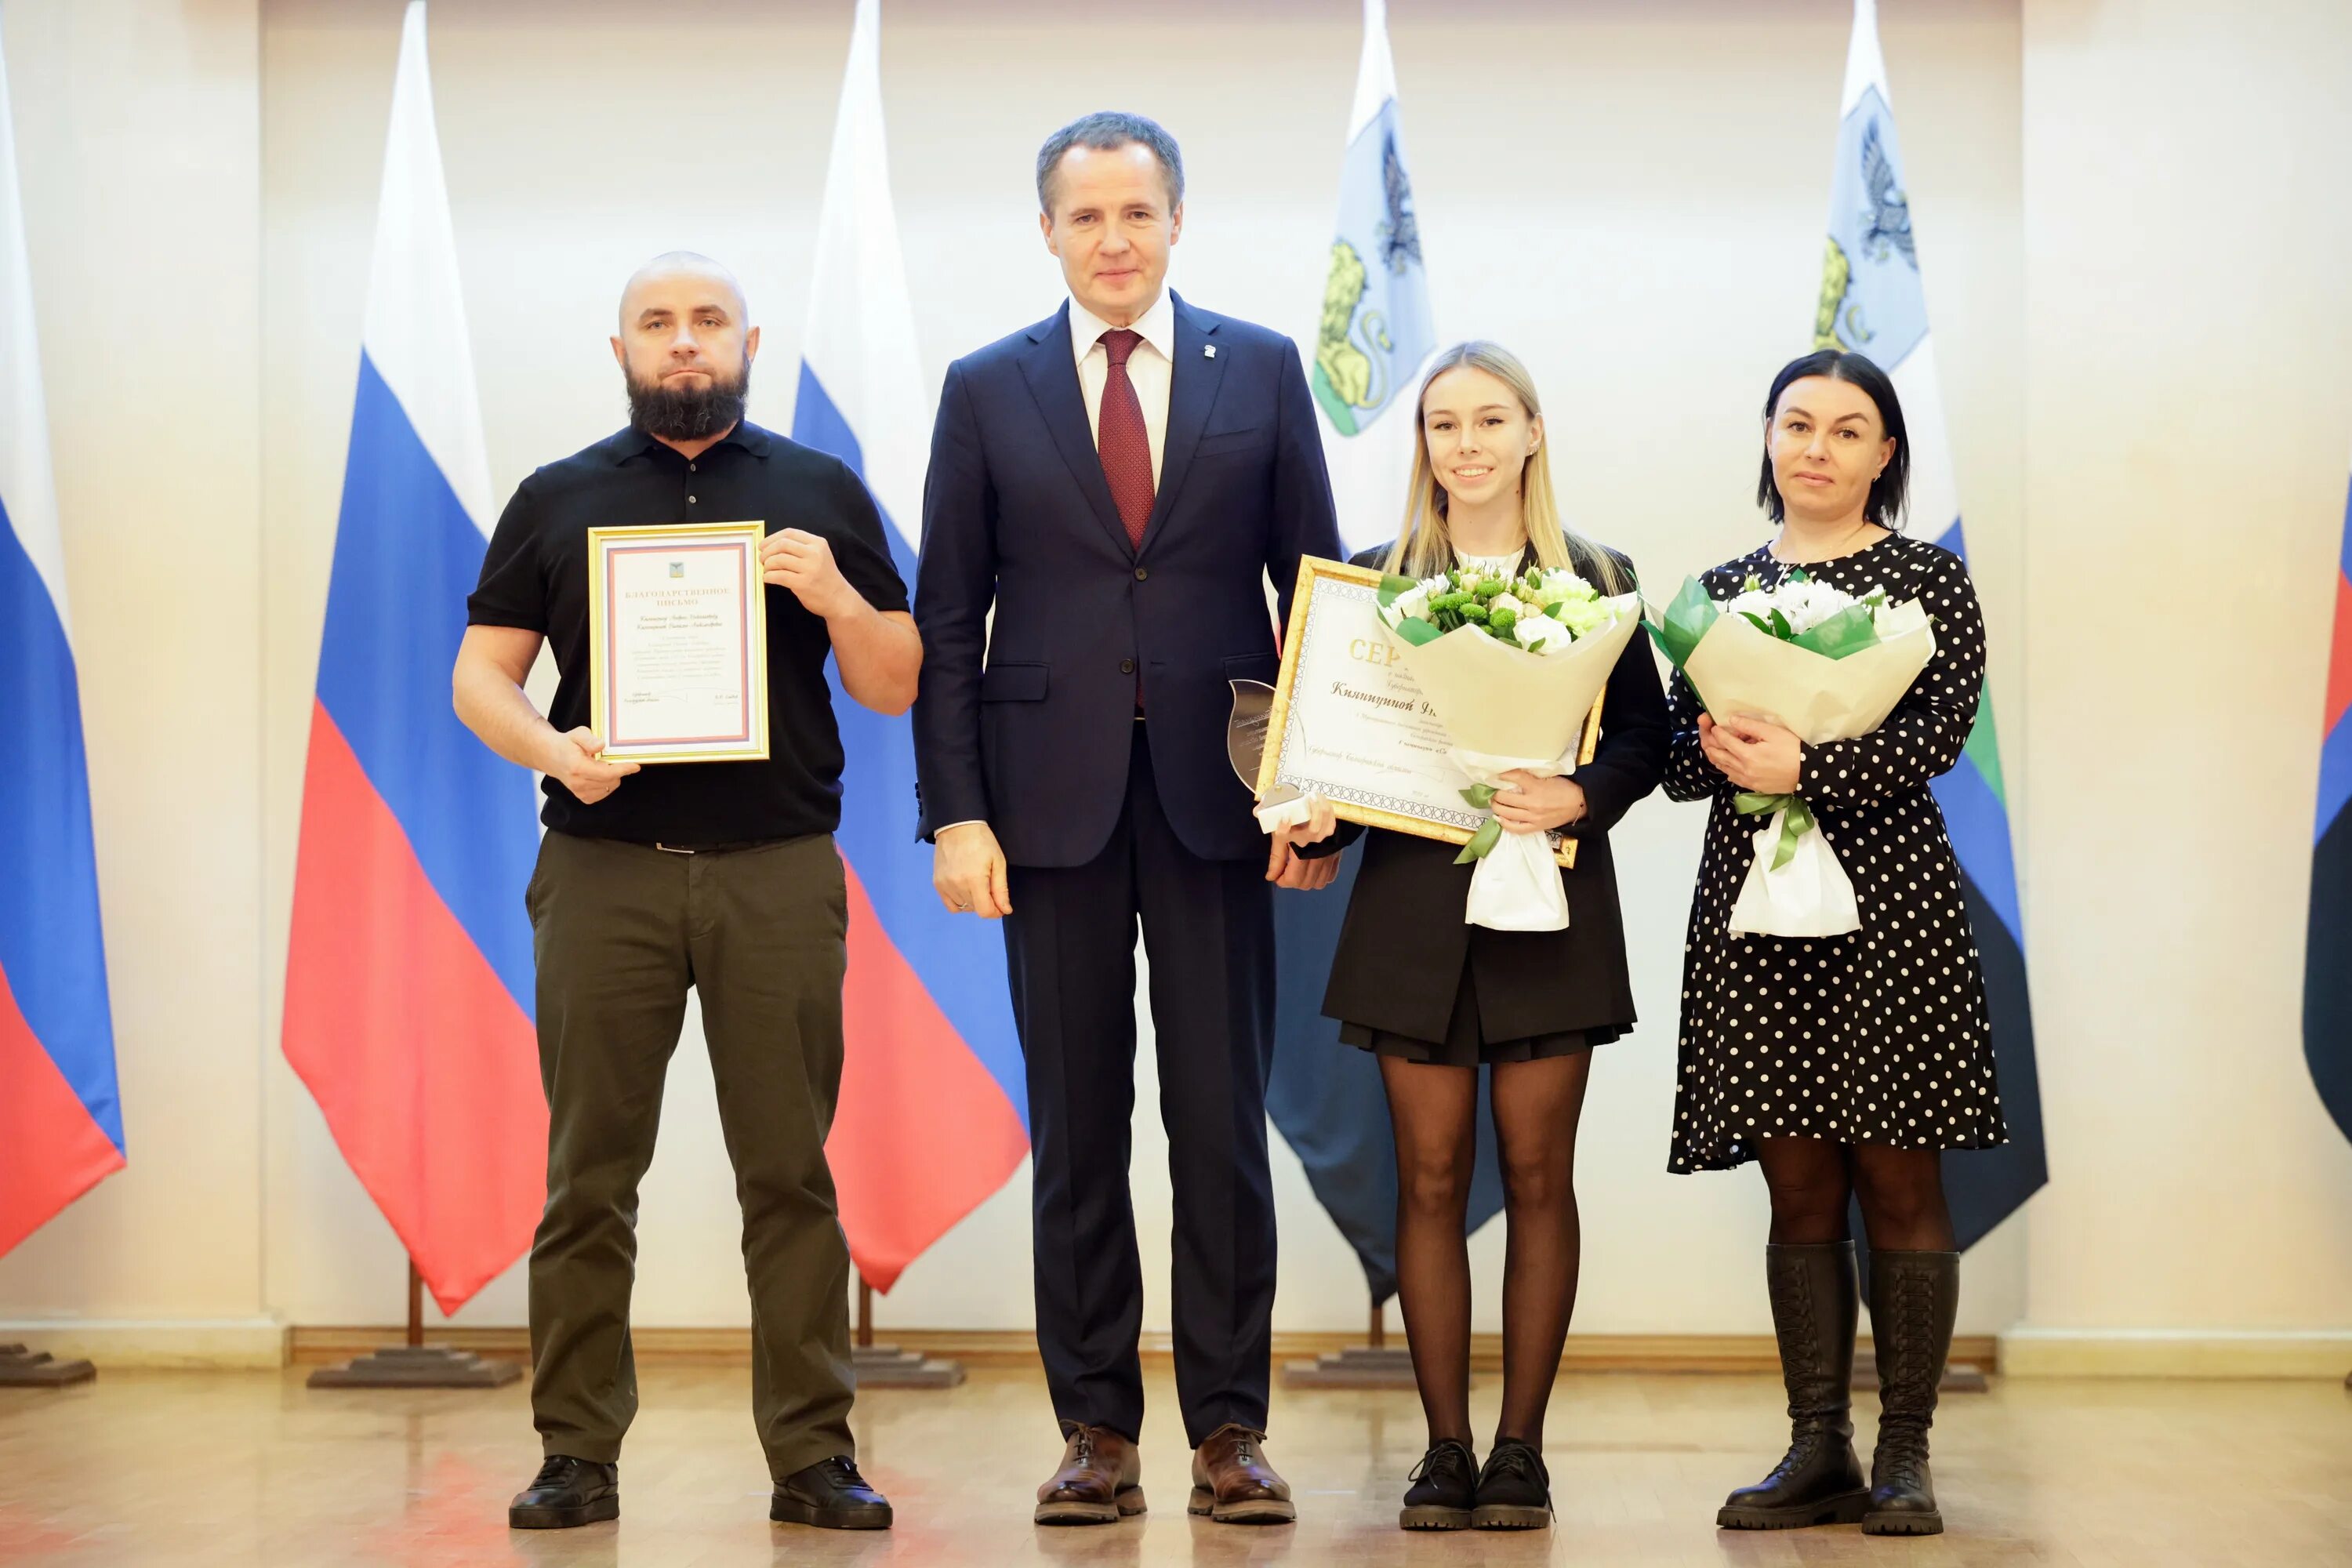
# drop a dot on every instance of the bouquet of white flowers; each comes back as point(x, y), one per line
point(1511, 665)
point(1544, 609)
point(1817, 661)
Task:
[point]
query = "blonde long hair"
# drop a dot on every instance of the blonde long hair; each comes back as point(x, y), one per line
point(1424, 546)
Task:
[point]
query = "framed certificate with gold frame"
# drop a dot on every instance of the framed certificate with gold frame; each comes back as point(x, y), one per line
point(677, 643)
point(1346, 721)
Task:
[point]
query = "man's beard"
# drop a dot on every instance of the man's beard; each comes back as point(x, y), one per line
point(691, 411)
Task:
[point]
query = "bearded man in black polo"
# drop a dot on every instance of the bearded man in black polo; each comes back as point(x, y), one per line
point(721, 877)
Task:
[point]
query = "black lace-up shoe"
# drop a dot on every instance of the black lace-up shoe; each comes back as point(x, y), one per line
point(1514, 1489)
point(831, 1494)
point(1444, 1490)
point(567, 1492)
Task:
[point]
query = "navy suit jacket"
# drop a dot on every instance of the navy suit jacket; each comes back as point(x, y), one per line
point(1030, 727)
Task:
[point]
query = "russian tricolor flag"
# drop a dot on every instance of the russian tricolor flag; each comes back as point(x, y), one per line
point(60, 1117)
point(933, 1116)
point(2327, 958)
point(408, 974)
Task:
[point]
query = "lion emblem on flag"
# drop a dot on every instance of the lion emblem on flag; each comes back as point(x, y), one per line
point(1353, 344)
point(1836, 324)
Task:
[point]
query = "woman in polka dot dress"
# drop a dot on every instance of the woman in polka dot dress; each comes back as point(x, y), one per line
point(1843, 1065)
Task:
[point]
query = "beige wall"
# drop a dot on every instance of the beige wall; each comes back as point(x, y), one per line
point(2188, 215)
point(1636, 207)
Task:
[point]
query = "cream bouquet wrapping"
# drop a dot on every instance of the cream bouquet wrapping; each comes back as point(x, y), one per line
point(1511, 664)
point(1819, 662)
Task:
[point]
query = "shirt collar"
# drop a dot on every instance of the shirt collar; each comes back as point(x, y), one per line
point(634, 443)
point(1158, 326)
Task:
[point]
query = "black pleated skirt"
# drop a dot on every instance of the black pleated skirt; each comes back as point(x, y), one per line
point(1466, 1044)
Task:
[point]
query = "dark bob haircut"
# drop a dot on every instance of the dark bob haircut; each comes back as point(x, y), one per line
point(1107, 133)
point(1890, 492)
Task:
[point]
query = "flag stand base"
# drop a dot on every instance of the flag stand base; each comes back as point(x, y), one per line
point(22, 1368)
point(1358, 1366)
point(417, 1367)
point(1376, 1364)
point(1372, 1364)
point(887, 1366)
point(416, 1364)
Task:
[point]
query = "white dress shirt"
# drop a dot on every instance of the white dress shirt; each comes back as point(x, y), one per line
point(1149, 368)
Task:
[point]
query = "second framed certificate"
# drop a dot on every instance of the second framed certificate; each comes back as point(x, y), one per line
point(1348, 723)
point(677, 643)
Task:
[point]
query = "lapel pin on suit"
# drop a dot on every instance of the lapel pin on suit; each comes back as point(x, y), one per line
point(1208, 350)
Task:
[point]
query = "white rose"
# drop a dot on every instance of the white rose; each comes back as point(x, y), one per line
point(1535, 627)
point(1816, 602)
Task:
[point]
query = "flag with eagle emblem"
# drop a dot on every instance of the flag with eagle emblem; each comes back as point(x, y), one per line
point(1871, 303)
point(1365, 366)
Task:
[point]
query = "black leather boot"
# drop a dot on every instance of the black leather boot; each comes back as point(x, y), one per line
point(1914, 1297)
point(1445, 1488)
point(831, 1494)
point(1819, 1480)
point(567, 1492)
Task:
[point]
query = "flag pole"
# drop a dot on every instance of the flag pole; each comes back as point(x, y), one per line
point(60, 1074)
point(887, 1366)
point(1375, 1364)
point(440, 1077)
point(414, 1364)
point(24, 1368)
point(1376, 312)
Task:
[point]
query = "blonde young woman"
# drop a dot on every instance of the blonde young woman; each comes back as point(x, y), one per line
point(1435, 999)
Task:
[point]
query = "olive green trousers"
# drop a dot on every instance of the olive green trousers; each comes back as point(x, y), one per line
point(621, 933)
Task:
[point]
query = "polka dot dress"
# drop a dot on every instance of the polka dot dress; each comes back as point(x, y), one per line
point(1881, 1035)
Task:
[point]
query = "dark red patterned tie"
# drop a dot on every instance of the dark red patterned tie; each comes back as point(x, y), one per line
point(1125, 446)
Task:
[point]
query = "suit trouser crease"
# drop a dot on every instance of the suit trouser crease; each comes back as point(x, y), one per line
point(621, 931)
point(1208, 927)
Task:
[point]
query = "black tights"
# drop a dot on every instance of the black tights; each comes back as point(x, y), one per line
point(1434, 1111)
point(1901, 1192)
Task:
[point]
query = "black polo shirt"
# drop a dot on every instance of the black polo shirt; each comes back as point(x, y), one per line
point(536, 577)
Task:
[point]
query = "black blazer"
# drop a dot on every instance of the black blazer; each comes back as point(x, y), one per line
point(1017, 515)
point(1403, 943)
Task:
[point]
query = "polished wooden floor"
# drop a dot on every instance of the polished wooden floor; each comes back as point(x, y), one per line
point(214, 1469)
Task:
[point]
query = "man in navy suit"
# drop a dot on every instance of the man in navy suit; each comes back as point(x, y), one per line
point(1117, 482)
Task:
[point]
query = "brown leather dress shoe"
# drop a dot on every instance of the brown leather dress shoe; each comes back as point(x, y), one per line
point(1233, 1483)
point(1100, 1481)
